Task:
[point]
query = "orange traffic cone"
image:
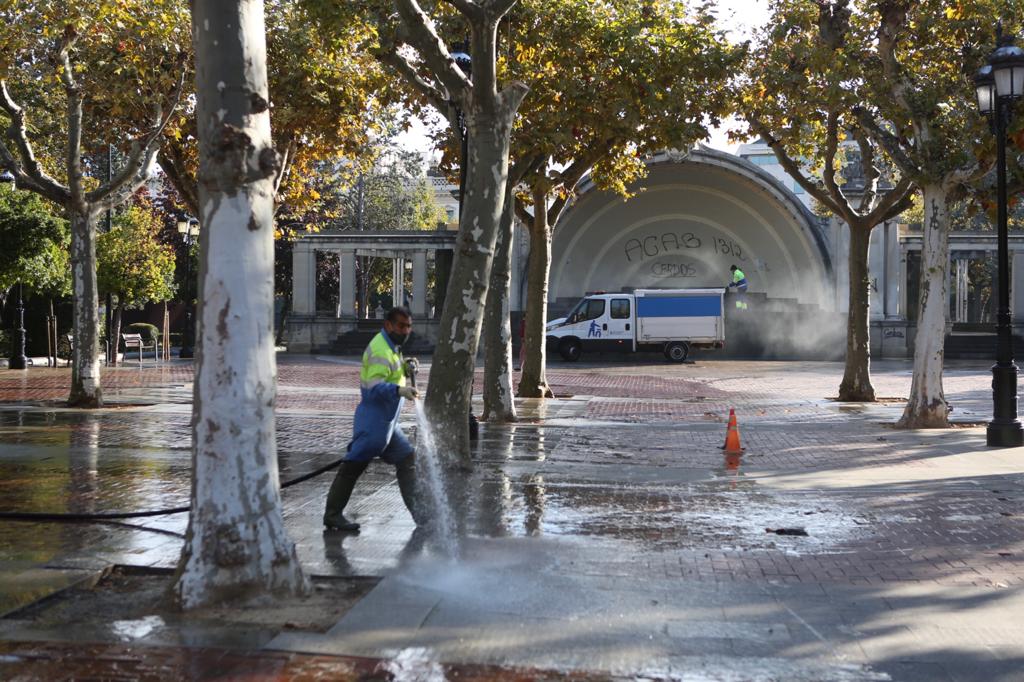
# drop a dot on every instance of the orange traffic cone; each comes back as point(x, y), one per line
point(732, 435)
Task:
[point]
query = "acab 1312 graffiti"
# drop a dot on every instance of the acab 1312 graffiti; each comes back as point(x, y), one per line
point(654, 245)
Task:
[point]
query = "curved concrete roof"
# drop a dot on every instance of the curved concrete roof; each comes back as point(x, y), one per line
point(693, 216)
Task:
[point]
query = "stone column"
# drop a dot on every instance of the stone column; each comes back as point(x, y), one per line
point(303, 278)
point(347, 284)
point(903, 304)
point(841, 237)
point(398, 280)
point(876, 273)
point(960, 285)
point(893, 285)
point(419, 284)
point(443, 259)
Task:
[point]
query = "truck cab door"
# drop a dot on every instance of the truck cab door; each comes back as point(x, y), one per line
point(593, 324)
point(619, 335)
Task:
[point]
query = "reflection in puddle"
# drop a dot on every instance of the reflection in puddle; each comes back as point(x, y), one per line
point(732, 466)
point(535, 497)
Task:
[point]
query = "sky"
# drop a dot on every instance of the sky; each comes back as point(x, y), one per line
point(737, 16)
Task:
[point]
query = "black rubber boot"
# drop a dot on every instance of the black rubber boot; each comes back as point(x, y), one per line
point(341, 491)
point(405, 472)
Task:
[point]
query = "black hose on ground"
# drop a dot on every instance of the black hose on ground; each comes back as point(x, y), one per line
point(103, 517)
point(110, 516)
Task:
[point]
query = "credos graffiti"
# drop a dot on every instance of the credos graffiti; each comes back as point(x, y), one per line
point(673, 269)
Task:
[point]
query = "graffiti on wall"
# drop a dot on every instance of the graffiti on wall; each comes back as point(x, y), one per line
point(667, 243)
point(673, 269)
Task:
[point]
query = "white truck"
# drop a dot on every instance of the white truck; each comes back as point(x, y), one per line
point(669, 320)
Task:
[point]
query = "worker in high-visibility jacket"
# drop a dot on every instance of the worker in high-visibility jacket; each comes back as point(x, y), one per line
point(375, 430)
point(739, 282)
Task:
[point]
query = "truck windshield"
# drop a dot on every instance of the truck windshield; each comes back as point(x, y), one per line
point(587, 309)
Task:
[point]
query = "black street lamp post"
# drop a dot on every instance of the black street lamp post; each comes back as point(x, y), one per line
point(189, 230)
point(443, 259)
point(999, 86)
point(461, 56)
point(18, 359)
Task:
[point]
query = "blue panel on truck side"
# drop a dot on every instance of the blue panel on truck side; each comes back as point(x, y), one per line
point(679, 306)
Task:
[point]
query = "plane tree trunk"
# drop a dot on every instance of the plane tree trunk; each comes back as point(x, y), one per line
point(926, 407)
point(533, 381)
point(856, 385)
point(499, 404)
point(236, 544)
point(489, 114)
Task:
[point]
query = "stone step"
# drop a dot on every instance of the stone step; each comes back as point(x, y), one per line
point(355, 342)
point(978, 346)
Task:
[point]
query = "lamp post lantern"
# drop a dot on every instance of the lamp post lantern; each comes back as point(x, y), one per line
point(999, 86)
point(189, 230)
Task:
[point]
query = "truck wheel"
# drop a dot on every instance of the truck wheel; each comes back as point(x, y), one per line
point(570, 349)
point(677, 351)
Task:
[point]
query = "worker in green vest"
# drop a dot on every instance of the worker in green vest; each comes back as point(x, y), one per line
point(739, 282)
point(375, 430)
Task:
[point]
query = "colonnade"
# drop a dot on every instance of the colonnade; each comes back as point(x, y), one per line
point(304, 277)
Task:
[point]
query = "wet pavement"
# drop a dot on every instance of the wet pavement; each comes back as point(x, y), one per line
point(55, 661)
point(606, 532)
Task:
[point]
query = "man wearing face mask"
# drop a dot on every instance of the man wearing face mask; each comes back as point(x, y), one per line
point(382, 384)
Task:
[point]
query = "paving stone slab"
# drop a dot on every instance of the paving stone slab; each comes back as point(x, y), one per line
point(23, 585)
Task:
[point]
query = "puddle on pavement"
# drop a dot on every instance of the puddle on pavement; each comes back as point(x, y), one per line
point(724, 512)
point(515, 442)
point(129, 604)
point(487, 572)
point(128, 630)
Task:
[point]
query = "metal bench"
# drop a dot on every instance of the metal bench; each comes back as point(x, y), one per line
point(135, 341)
point(71, 349)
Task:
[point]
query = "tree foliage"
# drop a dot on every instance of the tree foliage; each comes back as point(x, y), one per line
point(610, 82)
point(329, 101)
point(918, 103)
point(126, 58)
point(35, 244)
point(132, 263)
point(613, 80)
point(394, 194)
point(77, 79)
point(920, 57)
point(799, 92)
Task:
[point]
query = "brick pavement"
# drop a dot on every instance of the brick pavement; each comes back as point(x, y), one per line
point(628, 472)
point(55, 661)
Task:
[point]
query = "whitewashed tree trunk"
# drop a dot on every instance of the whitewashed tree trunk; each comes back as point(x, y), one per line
point(489, 113)
point(236, 543)
point(450, 389)
point(926, 406)
point(85, 362)
point(499, 403)
point(533, 382)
